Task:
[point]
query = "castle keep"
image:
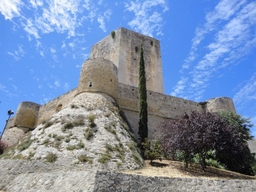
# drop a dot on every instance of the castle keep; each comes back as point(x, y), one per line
point(113, 69)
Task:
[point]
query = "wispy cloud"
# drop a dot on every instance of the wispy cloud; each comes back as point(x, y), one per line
point(17, 54)
point(233, 39)
point(246, 95)
point(10, 8)
point(102, 18)
point(147, 19)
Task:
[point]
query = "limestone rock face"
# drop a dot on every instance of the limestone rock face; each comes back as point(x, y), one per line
point(89, 131)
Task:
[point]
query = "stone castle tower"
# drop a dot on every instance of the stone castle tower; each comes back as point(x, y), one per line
point(123, 49)
point(113, 69)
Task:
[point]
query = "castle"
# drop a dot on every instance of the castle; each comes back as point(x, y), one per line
point(113, 69)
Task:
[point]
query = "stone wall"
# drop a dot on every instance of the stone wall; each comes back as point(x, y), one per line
point(29, 176)
point(112, 181)
point(46, 111)
point(124, 51)
point(162, 107)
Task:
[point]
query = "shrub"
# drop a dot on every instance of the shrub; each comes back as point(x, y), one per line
point(110, 129)
point(25, 144)
point(91, 118)
point(73, 106)
point(113, 33)
point(71, 147)
point(3, 146)
point(51, 157)
point(59, 138)
point(46, 141)
point(67, 126)
point(84, 158)
point(80, 145)
point(104, 158)
point(109, 147)
point(89, 134)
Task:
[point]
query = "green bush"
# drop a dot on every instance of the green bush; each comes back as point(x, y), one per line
point(88, 134)
point(71, 147)
point(104, 158)
point(110, 129)
point(113, 33)
point(84, 158)
point(51, 157)
point(91, 119)
point(67, 126)
point(25, 144)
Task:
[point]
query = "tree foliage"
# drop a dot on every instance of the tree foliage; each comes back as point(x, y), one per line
point(152, 150)
point(241, 124)
point(143, 106)
point(199, 133)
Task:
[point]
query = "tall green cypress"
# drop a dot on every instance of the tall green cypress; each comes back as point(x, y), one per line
point(143, 106)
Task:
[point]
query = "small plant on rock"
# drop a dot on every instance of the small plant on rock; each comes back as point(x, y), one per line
point(113, 34)
point(91, 118)
point(51, 157)
point(84, 158)
point(88, 134)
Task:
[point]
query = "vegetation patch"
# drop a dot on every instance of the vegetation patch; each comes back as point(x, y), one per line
point(80, 145)
point(19, 156)
point(84, 158)
point(67, 126)
point(110, 129)
point(91, 119)
point(51, 157)
point(73, 106)
point(46, 142)
point(71, 147)
point(25, 144)
point(88, 134)
point(104, 158)
point(113, 34)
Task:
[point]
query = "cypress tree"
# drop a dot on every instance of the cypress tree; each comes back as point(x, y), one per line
point(143, 106)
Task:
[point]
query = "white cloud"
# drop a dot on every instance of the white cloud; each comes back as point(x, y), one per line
point(57, 83)
point(247, 94)
point(11, 8)
point(52, 50)
point(147, 21)
point(234, 39)
point(101, 19)
point(36, 3)
point(17, 54)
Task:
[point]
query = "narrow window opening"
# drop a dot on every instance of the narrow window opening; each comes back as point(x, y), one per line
point(90, 85)
point(110, 80)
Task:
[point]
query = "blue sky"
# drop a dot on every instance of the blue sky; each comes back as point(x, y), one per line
point(208, 47)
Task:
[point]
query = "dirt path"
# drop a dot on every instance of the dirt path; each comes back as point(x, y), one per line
point(168, 168)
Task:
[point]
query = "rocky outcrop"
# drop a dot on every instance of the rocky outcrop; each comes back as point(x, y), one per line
point(89, 131)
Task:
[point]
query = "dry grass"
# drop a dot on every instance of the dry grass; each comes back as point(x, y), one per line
point(168, 168)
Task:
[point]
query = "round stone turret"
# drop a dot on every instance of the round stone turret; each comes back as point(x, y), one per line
point(220, 104)
point(98, 75)
point(26, 115)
